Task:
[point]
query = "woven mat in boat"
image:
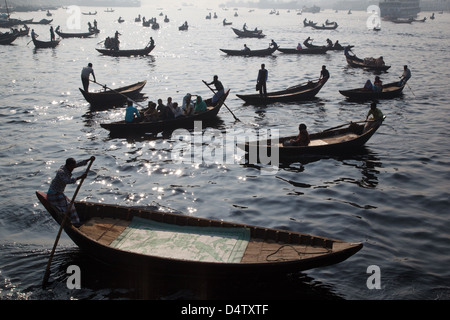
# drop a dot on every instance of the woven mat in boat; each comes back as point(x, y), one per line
point(210, 244)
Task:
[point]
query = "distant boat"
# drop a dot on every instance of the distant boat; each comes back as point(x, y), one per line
point(73, 35)
point(248, 33)
point(127, 53)
point(250, 53)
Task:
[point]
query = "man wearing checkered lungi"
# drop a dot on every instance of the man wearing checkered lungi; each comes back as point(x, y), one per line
point(55, 194)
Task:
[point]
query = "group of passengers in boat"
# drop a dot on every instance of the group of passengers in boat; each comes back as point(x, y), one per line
point(169, 110)
point(377, 85)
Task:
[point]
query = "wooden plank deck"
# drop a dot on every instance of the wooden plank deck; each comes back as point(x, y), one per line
point(104, 230)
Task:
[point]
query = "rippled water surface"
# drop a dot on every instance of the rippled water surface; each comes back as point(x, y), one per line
point(393, 196)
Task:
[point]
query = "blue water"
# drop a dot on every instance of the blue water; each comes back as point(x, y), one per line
point(393, 196)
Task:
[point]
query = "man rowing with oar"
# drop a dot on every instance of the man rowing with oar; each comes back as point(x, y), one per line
point(55, 194)
point(85, 73)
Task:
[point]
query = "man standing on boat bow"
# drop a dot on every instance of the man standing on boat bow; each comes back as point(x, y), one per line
point(55, 194)
point(85, 73)
point(219, 87)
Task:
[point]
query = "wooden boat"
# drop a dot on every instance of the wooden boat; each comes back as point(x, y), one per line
point(356, 62)
point(73, 35)
point(45, 44)
point(389, 91)
point(208, 248)
point(309, 23)
point(89, 13)
point(8, 38)
point(323, 27)
point(343, 139)
point(121, 128)
point(115, 97)
point(316, 50)
point(301, 92)
point(248, 33)
point(10, 22)
point(22, 32)
point(250, 53)
point(127, 53)
point(42, 21)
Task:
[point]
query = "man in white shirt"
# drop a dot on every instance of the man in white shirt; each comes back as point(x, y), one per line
point(85, 73)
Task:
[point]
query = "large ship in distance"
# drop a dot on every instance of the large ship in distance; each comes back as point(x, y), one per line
point(399, 8)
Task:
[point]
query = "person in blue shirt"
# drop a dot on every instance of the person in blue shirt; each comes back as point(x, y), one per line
point(130, 112)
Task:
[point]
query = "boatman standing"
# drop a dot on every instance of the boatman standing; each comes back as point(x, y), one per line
point(219, 87)
point(55, 194)
point(85, 73)
point(262, 80)
point(405, 76)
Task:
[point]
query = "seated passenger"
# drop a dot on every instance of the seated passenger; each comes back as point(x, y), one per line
point(368, 85)
point(200, 105)
point(302, 138)
point(130, 113)
point(377, 84)
point(151, 114)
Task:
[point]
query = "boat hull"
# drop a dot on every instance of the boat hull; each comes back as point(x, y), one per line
point(113, 98)
point(126, 53)
point(250, 53)
point(293, 94)
point(121, 128)
point(325, 143)
point(359, 63)
point(321, 252)
point(315, 50)
point(390, 91)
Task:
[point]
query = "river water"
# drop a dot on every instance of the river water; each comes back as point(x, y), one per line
point(393, 196)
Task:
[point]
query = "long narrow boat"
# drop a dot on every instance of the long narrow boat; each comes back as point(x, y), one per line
point(74, 34)
point(122, 128)
point(248, 33)
point(316, 50)
point(127, 53)
point(356, 62)
point(162, 242)
point(42, 21)
point(8, 38)
point(301, 92)
point(389, 91)
point(115, 97)
point(45, 44)
point(250, 53)
point(328, 27)
point(342, 139)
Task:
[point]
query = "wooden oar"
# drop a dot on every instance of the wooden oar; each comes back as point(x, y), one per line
point(410, 89)
point(223, 102)
point(343, 125)
point(128, 98)
point(66, 215)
